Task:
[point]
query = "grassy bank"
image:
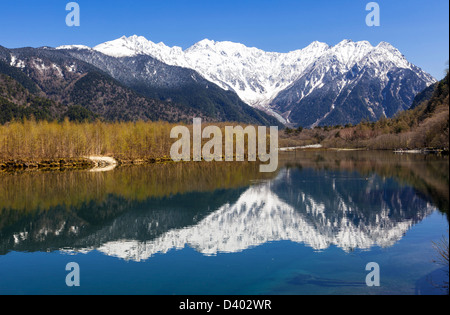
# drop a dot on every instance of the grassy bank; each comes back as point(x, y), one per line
point(43, 144)
point(41, 140)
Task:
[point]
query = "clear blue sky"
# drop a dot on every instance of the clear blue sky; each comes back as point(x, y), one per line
point(418, 28)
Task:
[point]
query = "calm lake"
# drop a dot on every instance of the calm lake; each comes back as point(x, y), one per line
point(224, 228)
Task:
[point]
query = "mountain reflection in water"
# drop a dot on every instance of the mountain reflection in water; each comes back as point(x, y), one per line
point(351, 200)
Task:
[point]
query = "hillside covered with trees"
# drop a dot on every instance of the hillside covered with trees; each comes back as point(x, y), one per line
point(424, 126)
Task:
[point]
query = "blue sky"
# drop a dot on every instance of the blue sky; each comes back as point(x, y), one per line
point(419, 29)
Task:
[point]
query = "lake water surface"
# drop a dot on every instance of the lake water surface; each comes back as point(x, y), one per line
point(224, 228)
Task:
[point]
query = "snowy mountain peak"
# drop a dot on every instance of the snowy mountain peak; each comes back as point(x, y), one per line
point(205, 43)
point(315, 45)
point(386, 45)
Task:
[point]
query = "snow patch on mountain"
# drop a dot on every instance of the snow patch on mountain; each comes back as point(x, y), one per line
point(15, 62)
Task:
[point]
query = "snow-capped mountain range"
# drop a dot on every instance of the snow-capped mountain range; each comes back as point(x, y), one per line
point(319, 84)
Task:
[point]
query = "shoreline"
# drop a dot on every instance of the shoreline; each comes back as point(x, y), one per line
point(90, 163)
point(422, 151)
point(97, 163)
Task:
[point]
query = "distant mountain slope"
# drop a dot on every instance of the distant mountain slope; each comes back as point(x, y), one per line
point(65, 82)
point(423, 96)
point(437, 104)
point(158, 80)
point(427, 125)
point(317, 85)
point(16, 102)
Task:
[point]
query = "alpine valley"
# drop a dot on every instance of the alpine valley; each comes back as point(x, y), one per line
point(133, 78)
